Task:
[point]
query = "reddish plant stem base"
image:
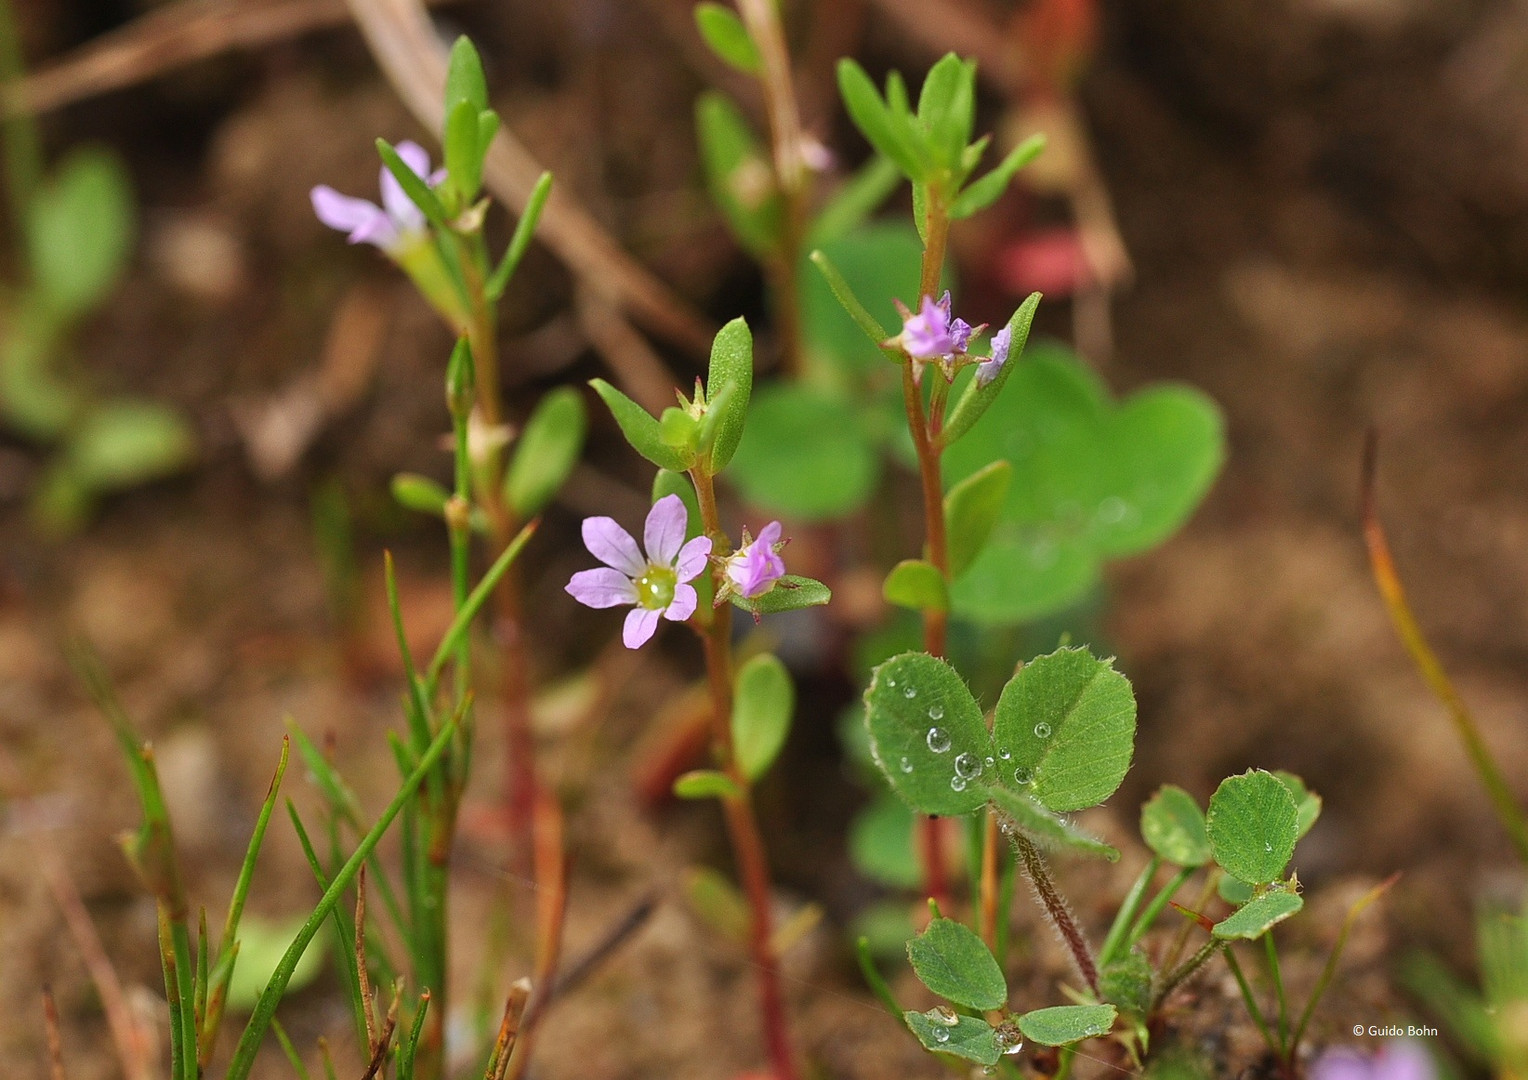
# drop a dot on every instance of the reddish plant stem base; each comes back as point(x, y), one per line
point(1055, 907)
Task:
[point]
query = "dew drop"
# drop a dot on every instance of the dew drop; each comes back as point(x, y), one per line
point(936, 712)
point(1016, 1048)
point(907, 766)
point(968, 766)
point(941, 1035)
point(909, 692)
point(1112, 510)
point(943, 1014)
point(891, 682)
point(1042, 730)
point(1022, 775)
point(1004, 753)
point(938, 740)
point(989, 761)
point(957, 783)
point(1268, 846)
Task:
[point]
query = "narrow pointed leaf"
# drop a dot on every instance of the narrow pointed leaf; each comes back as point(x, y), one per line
point(986, 191)
point(971, 510)
point(731, 363)
point(642, 430)
point(728, 38)
point(975, 399)
point(706, 784)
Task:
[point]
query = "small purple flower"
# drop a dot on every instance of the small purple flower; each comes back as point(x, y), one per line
point(390, 226)
point(929, 335)
point(1401, 1059)
point(989, 368)
point(656, 585)
point(755, 567)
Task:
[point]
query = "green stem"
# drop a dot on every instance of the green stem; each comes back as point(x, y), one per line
point(1055, 907)
point(1124, 918)
point(1158, 903)
point(1250, 1001)
point(23, 149)
point(1278, 985)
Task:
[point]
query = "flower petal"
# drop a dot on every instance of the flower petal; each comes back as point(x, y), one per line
point(640, 624)
point(366, 222)
point(613, 546)
point(405, 215)
point(602, 587)
point(769, 535)
point(663, 534)
point(683, 604)
point(692, 558)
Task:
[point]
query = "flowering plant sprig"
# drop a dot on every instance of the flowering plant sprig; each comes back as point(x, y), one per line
point(751, 704)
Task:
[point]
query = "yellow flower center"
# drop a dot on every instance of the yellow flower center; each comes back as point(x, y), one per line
point(655, 589)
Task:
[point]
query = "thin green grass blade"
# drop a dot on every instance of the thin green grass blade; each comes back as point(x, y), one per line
point(474, 604)
point(293, 1058)
point(520, 242)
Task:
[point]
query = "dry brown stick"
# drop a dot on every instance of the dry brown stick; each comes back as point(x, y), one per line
point(411, 55)
point(132, 1051)
point(165, 39)
point(55, 1039)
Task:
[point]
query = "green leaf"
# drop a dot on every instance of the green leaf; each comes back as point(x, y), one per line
point(1126, 983)
point(465, 81)
point(641, 429)
point(1258, 916)
point(986, 191)
point(1093, 480)
point(1065, 1024)
point(706, 784)
point(38, 401)
point(947, 107)
point(1065, 730)
point(1253, 824)
point(123, 443)
point(1307, 802)
point(414, 186)
point(728, 38)
point(762, 704)
point(546, 452)
point(791, 593)
point(946, 1032)
point(1044, 827)
point(1233, 891)
point(971, 510)
point(922, 721)
point(520, 242)
point(918, 585)
point(1173, 826)
point(877, 264)
point(891, 134)
point(954, 963)
point(881, 843)
point(807, 456)
point(976, 399)
point(420, 494)
point(261, 945)
point(464, 155)
point(739, 175)
point(731, 365)
point(80, 230)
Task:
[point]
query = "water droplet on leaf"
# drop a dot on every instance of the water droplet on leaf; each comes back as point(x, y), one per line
point(1004, 753)
point(938, 740)
point(936, 712)
point(907, 766)
point(968, 766)
point(1042, 730)
point(910, 692)
point(1021, 775)
point(957, 783)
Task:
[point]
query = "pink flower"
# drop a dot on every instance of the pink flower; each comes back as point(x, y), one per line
point(930, 335)
point(989, 368)
point(755, 567)
point(1400, 1059)
point(655, 584)
point(395, 223)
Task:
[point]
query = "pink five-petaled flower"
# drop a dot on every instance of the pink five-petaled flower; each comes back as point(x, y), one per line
point(755, 567)
point(1400, 1059)
point(989, 368)
point(394, 224)
point(656, 585)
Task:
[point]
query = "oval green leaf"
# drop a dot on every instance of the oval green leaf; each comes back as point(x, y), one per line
point(971, 509)
point(922, 722)
point(642, 431)
point(1173, 826)
point(965, 1036)
point(1065, 730)
point(762, 704)
point(1258, 916)
point(916, 584)
point(547, 450)
point(731, 365)
point(705, 784)
point(1064, 1024)
point(954, 963)
point(807, 456)
point(1253, 824)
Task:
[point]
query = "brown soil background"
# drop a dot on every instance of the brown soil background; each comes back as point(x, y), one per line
point(1325, 203)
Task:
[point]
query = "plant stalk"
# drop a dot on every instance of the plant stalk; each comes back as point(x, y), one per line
point(1055, 907)
point(737, 810)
